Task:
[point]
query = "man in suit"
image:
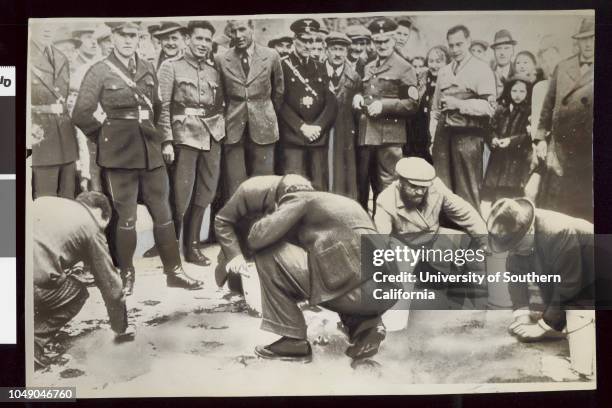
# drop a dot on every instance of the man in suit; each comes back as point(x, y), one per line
point(503, 51)
point(253, 81)
point(410, 209)
point(544, 242)
point(253, 199)
point(388, 100)
point(130, 151)
point(191, 119)
point(345, 82)
point(564, 139)
point(321, 265)
point(308, 110)
point(67, 232)
point(55, 151)
point(462, 107)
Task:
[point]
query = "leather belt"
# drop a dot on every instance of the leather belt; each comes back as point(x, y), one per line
point(53, 109)
point(200, 112)
point(138, 114)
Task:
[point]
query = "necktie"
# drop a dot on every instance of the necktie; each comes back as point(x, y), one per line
point(244, 60)
point(49, 54)
point(132, 67)
point(335, 78)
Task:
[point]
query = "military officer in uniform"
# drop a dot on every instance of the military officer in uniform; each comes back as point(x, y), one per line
point(345, 82)
point(55, 151)
point(130, 151)
point(252, 78)
point(388, 100)
point(564, 138)
point(192, 119)
point(308, 111)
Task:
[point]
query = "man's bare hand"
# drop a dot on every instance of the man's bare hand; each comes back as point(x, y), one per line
point(168, 153)
point(541, 149)
point(358, 101)
point(237, 265)
point(375, 108)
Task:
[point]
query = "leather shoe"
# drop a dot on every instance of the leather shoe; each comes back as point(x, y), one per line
point(194, 256)
point(179, 279)
point(367, 343)
point(286, 349)
point(128, 277)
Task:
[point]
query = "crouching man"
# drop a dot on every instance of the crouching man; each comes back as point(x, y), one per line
point(410, 209)
point(67, 232)
point(309, 248)
point(546, 243)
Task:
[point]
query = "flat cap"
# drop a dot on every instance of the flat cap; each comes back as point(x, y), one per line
point(305, 25)
point(382, 25)
point(153, 28)
point(405, 21)
point(63, 35)
point(357, 31)
point(124, 25)
point(416, 170)
point(168, 27)
point(335, 38)
point(77, 32)
point(509, 222)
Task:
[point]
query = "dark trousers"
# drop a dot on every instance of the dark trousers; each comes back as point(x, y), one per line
point(246, 159)
point(457, 155)
point(56, 181)
point(53, 308)
point(196, 176)
point(308, 161)
point(123, 186)
point(285, 280)
point(376, 166)
point(95, 183)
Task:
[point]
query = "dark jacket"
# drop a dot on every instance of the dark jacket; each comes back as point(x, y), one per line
point(390, 83)
point(563, 246)
point(345, 134)
point(302, 106)
point(50, 85)
point(252, 101)
point(329, 227)
point(509, 168)
point(68, 236)
point(122, 143)
point(567, 114)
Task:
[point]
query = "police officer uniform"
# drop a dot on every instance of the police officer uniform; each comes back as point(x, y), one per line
point(393, 82)
point(54, 156)
point(307, 101)
point(129, 151)
point(192, 118)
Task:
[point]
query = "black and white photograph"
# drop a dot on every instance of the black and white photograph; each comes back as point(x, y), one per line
point(247, 205)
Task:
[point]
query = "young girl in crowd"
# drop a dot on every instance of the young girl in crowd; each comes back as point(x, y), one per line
point(510, 142)
point(525, 64)
point(436, 58)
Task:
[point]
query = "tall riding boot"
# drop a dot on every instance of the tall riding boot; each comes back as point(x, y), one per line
point(128, 276)
point(125, 243)
point(192, 237)
point(171, 258)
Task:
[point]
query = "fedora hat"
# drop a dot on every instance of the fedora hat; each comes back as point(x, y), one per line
point(168, 27)
point(587, 29)
point(503, 37)
point(508, 223)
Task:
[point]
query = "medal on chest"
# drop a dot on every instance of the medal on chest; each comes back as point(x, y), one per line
point(307, 101)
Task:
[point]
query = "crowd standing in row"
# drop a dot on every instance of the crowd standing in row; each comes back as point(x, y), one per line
point(179, 118)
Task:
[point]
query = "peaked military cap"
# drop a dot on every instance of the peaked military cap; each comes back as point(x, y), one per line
point(305, 26)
